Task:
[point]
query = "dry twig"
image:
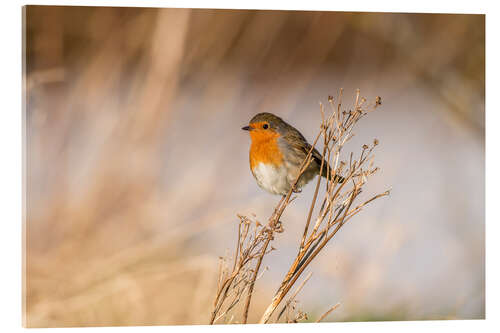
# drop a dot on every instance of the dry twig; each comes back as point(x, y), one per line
point(327, 312)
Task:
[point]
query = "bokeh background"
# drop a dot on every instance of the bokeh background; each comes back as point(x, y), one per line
point(136, 165)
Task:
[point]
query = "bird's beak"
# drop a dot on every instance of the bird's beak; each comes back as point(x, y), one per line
point(246, 128)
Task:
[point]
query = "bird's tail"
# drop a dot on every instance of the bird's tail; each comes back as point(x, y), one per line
point(337, 178)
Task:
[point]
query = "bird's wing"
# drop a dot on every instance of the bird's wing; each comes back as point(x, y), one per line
point(300, 145)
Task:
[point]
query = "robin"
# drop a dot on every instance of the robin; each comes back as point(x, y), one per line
point(277, 153)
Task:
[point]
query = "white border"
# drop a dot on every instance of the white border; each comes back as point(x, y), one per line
point(10, 153)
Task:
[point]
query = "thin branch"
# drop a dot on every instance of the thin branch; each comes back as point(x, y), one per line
point(328, 312)
point(299, 288)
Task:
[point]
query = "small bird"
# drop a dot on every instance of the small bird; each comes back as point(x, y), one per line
point(277, 153)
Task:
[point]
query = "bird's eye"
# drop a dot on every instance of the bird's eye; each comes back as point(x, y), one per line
point(265, 126)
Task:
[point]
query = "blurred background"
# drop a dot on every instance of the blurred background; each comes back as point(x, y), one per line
point(137, 166)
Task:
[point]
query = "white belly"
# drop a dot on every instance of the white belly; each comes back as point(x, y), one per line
point(271, 178)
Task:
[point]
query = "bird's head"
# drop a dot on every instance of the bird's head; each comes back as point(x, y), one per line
point(265, 126)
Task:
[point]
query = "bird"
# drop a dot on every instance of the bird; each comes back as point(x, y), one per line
point(277, 152)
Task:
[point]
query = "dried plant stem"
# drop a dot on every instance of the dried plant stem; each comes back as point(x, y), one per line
point(328, 312)
point(292, 276)
point(295, 294)
point(252, 284)
point(311, 209)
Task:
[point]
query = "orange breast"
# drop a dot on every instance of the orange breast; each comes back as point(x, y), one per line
point(264, 148)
